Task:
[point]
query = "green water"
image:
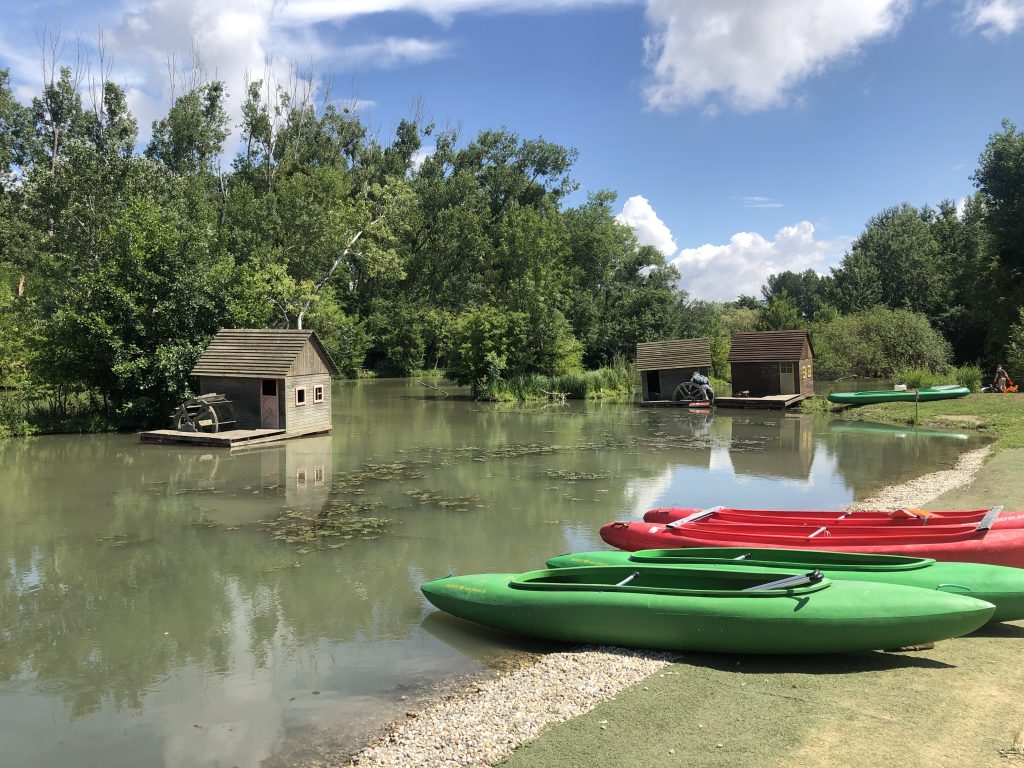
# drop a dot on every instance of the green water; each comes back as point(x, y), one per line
point(149, 616)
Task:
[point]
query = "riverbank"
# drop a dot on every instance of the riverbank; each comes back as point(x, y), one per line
point(612, 707)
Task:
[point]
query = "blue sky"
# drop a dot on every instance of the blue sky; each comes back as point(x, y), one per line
point(742, 137)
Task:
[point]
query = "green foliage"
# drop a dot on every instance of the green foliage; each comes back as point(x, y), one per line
point(806, 290)
point(873, 343)
point(1015, 348)
point(615, 382)
point(779, 314)
point(482, 341)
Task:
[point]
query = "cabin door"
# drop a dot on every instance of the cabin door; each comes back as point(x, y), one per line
point(270, 407)
point(787, 379)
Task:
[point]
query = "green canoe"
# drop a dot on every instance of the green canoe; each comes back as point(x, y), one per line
point(717, 610)
point(925, 394)
point(996, 584)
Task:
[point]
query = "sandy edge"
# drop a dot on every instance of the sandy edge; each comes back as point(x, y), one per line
point(486, 725)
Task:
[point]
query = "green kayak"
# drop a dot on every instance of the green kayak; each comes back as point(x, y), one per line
point(924, 394)
point(996, 584)
point(732, 611)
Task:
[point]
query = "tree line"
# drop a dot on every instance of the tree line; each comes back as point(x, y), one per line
point(118, 262)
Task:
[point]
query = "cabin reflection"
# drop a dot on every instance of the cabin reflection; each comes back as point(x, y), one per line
point(262, 482)
point(772, 446)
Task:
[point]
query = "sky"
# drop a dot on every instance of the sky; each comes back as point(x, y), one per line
point(742, 137)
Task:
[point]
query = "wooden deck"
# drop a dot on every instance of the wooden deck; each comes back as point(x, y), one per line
point(227, 439)
point(769, 402)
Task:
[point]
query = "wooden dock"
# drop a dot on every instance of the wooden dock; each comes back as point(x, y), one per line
point(231, 438)
point(766, 402)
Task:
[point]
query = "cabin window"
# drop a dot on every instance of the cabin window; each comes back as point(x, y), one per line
point(270, 387)
point(318, 474)
point(785, 367)
point(300, 395)
point(318, 394)
point(300, 477)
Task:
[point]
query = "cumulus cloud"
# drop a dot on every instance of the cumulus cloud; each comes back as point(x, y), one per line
point(723, 272)
point(232, 39)
point(750, 56)
point(301, 12)
point(995, 17)
point(650, 230)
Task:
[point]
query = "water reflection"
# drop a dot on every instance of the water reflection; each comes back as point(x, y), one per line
point(147, 617)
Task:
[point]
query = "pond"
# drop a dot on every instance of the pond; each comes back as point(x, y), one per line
point(180, 606)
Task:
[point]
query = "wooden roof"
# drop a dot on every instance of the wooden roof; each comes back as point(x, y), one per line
point(666, 355)
point(770, 346)
point(253, 353)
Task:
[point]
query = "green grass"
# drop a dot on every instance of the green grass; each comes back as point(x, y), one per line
point(998, 416)
point(612, 383)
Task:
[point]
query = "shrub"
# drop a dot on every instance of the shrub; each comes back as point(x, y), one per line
point(875, 342)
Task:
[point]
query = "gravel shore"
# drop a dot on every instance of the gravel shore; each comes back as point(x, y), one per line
point(920, 491)
point(486, 725)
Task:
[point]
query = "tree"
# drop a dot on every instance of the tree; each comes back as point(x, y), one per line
point(875, 343)
point(191, 137)
point(482, 340)
point(806, 290)
point(779, 314)
point(1000, 179)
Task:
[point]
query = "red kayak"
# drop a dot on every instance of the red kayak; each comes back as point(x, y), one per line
point(899, 517)
point(972, 544)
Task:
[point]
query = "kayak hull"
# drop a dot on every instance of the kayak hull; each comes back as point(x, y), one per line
point(823, 618)
point(856, 519)
point(923, 395)
point(995, 547)
point(999, 585)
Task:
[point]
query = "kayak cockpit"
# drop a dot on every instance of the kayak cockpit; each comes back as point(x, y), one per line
point(717, 582)
point(781, 558)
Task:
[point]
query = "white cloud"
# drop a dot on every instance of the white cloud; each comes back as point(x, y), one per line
point(995, 17)
point(723, 272)
point(757, 201)
point(391, 52)
point(302, 12)
point(421, 154)
point(233, 39)
point(750, 55)
point(650, 230)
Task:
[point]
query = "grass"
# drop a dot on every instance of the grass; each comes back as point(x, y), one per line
point(998, 416)
point(612, 383)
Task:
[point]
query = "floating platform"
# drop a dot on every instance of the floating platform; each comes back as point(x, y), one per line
point(703, 405)
point(228, 439)
point(769, 402)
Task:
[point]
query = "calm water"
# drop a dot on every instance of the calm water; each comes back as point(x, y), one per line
point(148, 616)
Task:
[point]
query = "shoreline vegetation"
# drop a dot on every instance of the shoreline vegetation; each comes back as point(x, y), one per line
point(487, 724)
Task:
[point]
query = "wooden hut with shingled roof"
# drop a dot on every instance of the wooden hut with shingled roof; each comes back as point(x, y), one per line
point(772, 364)
point(665, 365)
point(276, 379)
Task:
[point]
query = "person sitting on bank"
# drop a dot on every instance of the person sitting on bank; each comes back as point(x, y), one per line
point(705, 384)
point(1001, 380)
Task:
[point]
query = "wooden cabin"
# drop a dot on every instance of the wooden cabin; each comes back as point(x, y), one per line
point(276, 379)
point(664, 365)
point(777, 364)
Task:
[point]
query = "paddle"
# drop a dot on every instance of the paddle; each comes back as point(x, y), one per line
point(790, 581)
